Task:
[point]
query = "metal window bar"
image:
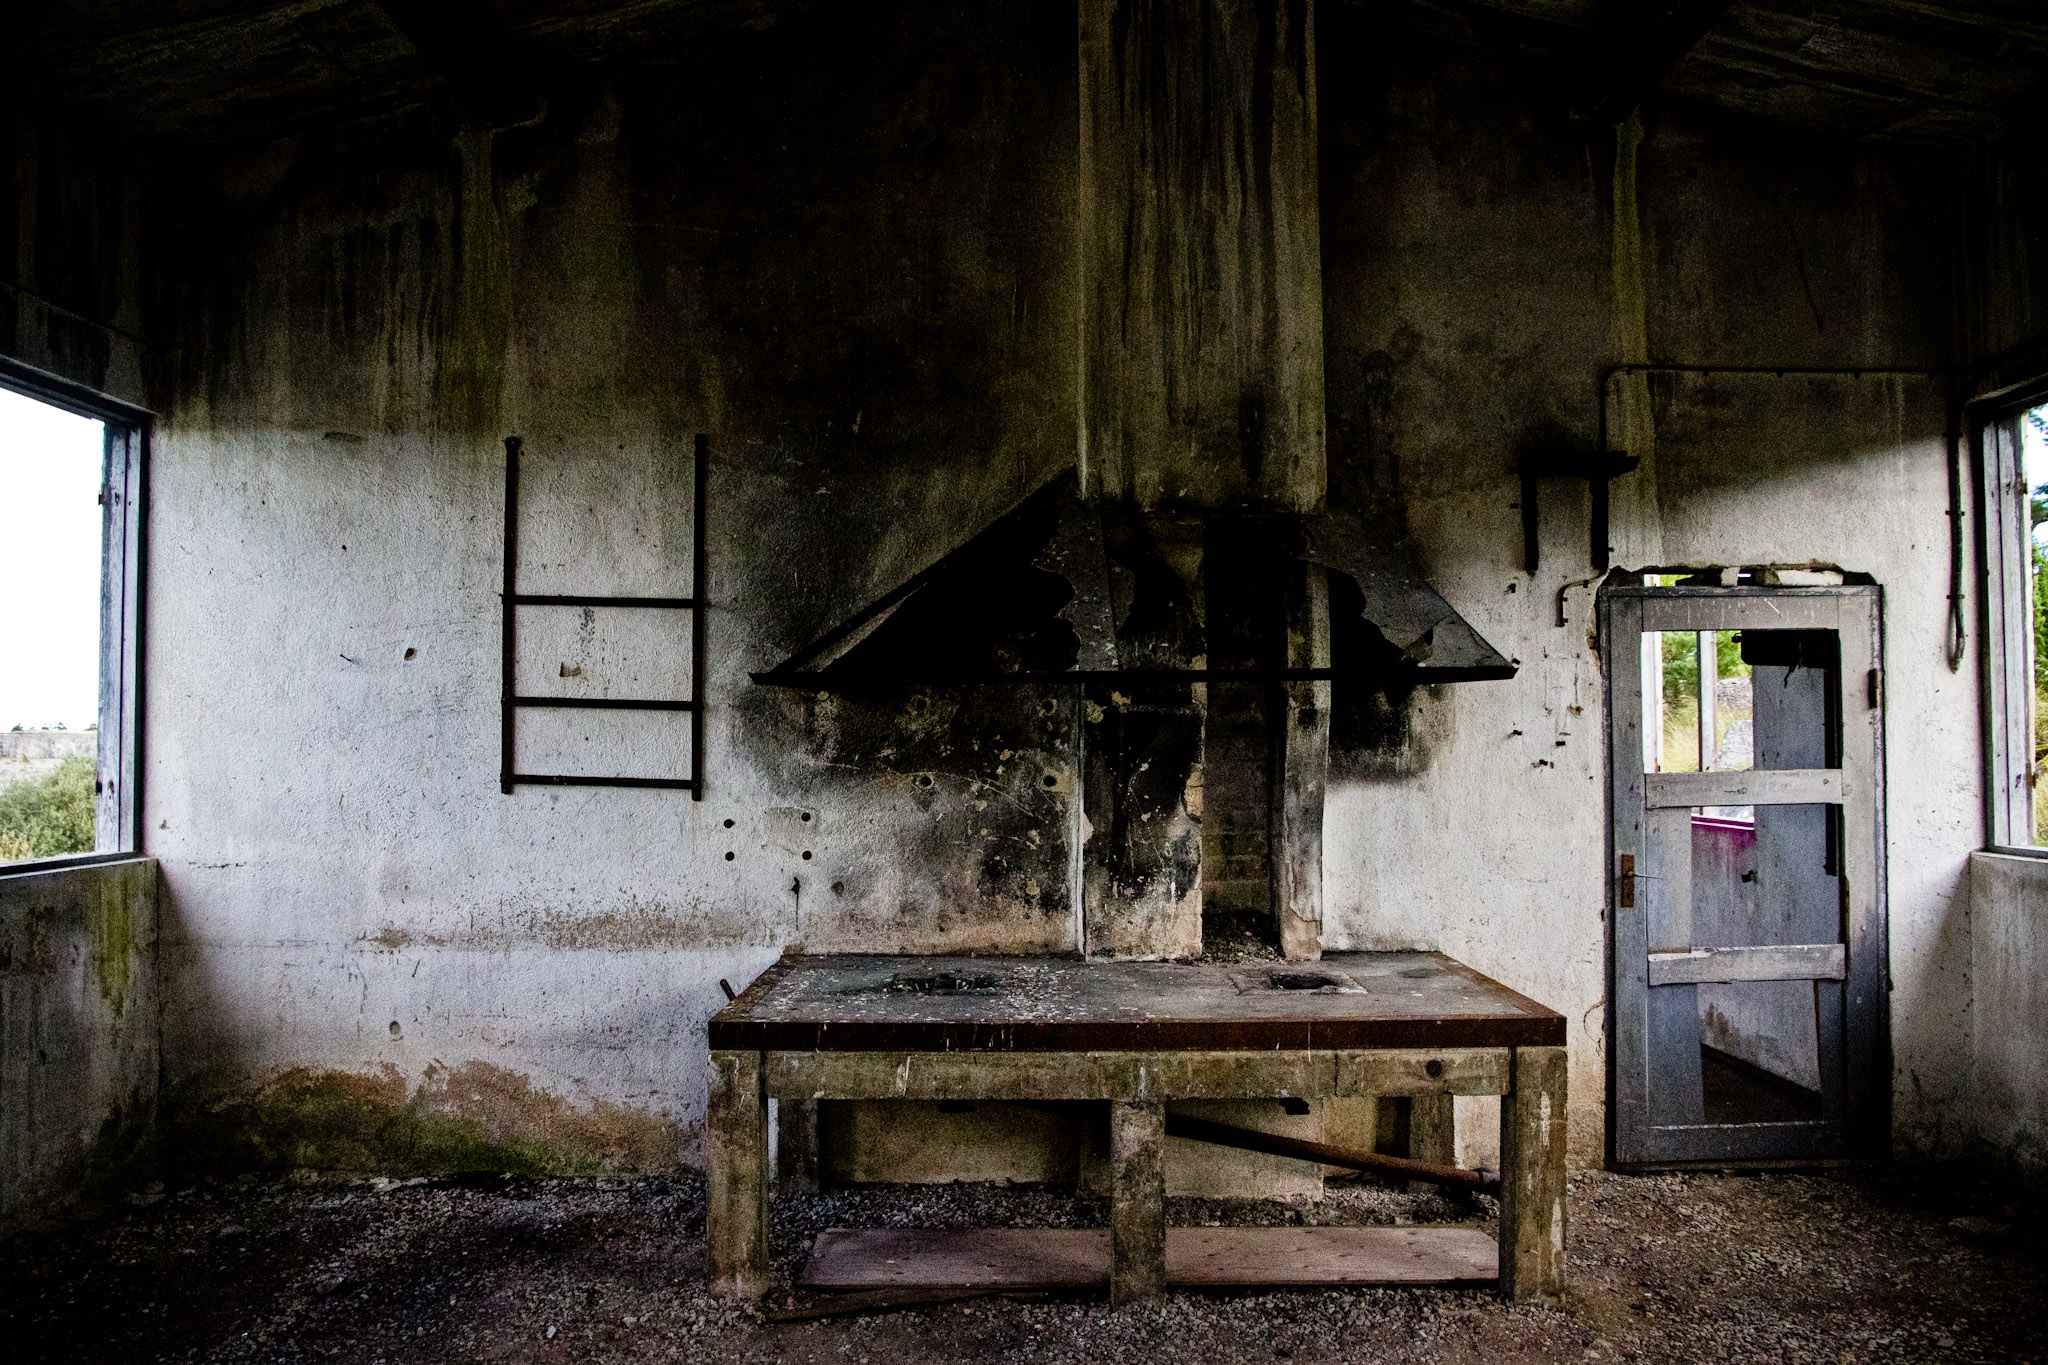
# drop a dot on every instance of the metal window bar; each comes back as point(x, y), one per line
point(509, 699)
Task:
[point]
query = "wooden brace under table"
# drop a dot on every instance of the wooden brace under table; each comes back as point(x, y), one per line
point(1132, 1034)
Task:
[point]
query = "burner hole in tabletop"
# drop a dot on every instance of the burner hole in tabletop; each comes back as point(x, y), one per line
point(1305, 981)
point(940, 983)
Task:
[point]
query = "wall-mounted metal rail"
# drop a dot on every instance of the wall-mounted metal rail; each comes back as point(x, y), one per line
point(511, 700)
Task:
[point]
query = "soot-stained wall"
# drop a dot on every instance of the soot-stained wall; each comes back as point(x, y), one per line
point(844, 247)
point(839, 248)
point(1482, 266)
point(72, 212)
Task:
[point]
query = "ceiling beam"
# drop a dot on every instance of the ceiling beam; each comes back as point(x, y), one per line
point(1635, 61)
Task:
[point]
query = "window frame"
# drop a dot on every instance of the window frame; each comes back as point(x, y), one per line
point(124, 499)
point(2006, 614)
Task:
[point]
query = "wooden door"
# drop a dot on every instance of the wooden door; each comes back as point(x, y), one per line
point(1747, 1017)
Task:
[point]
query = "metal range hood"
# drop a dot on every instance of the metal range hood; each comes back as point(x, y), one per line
point(1062, 589)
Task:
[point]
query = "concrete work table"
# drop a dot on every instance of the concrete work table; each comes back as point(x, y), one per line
point(1139, 1035)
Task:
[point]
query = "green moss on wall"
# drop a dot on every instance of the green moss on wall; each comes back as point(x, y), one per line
point(113, 943)
point(476, 1117)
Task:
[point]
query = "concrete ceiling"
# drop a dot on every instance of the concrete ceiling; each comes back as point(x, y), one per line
point(1914, 69)
point(212, 72)
point(227, 71)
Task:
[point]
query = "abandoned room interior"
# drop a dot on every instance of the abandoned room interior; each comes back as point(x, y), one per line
point(1059, 679)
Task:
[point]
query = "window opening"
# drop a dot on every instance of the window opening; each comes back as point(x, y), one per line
point(2033, 444)
point(1699, 708)
point(50, 550)
point(2016, 658)
point(68, 520)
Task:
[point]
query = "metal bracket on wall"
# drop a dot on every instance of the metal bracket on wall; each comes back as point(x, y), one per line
point(1596, 467)
point(510, 701)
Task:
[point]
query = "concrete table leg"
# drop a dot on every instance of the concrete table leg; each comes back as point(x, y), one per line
point(798, 1145)
point(1432, 1136)
point(1532, 1180)
point(736, 1176)
point(1137, 1201)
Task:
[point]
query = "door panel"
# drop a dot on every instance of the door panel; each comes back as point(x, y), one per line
point(1747, 906)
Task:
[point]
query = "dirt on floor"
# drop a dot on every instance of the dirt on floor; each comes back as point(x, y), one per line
point(1893, 1266)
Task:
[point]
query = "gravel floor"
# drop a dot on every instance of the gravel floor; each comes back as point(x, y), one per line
point(1902, 1266)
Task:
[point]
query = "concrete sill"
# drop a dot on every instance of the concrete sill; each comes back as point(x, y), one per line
point(31, 866)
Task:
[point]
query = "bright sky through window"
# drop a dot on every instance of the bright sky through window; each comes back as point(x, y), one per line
point(2034, 459)
point(50, 469)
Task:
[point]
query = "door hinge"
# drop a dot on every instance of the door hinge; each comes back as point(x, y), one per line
point(1625, 882)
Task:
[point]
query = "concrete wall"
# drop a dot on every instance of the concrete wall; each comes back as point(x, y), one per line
point(837, 248)
point(844, 248)
point(871, 316)
point(72, 222)
point(79, 998)
point(78, 1030)
point(22, 746)
point(1482, 266)
point(2009, 985)
point(32, 753)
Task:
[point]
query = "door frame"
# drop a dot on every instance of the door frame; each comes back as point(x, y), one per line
point(1863, 1132)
